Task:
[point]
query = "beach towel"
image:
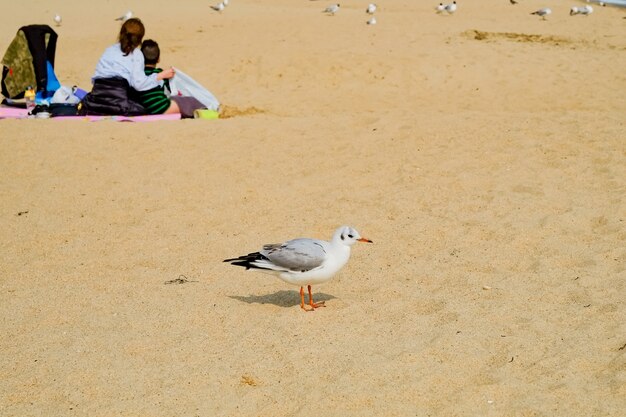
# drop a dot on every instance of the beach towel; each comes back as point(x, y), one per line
point(16, 113)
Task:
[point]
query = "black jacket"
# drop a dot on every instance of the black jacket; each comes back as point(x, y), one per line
point(42, 52)
point(110, 97)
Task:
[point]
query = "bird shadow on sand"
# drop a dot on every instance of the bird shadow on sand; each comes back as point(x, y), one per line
point(283, 298)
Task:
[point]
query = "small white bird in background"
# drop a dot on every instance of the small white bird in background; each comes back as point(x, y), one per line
point(451, 8)
point(303, 261)
point(225, 2)
point(586, 10)
point(332, 9)
point(543, 12)
point(573, 11)
point(58, 19)
point(372, 21)
point(371, 8)
point(125, 16)
point(440, 8)
point(219, 7)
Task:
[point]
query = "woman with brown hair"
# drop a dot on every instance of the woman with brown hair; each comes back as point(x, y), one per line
point(120, 69)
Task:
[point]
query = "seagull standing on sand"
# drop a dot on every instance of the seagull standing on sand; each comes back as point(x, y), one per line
point(372, 21)
point(304, 261)
point(332, 9)
point(451, 8)
point(371, 8)
point(219, 7)
point(125, 16)
point(543, 12)
point(440, 8)
point(57, 19)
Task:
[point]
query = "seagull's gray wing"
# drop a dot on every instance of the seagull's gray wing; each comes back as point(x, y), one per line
point(296, 255)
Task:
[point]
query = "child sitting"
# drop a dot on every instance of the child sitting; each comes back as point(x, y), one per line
point(154, 100)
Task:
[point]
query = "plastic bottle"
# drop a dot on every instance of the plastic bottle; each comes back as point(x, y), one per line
point(29, 97)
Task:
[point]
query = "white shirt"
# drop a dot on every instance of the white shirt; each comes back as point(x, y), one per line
point(113, 63)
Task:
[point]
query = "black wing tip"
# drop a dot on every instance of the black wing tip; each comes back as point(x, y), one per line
point(242, 261)
point(246, 260)
point(246, 264)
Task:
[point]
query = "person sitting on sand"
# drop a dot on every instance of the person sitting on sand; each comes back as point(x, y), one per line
point(120, 74)
point(154, 100)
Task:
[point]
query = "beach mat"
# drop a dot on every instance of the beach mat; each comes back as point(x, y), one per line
point(15, 113)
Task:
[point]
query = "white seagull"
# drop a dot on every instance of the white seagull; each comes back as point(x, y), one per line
point(219, 7)
point(440, 8)
point(125, 16)
point(451, 8)
point(371, 8)
point(332, 9)
point(304, 261)
point(543, 12)
point(372, 21)
point(57, 19)
point(585, 10)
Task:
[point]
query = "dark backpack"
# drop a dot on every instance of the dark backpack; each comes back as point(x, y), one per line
point(110, 97)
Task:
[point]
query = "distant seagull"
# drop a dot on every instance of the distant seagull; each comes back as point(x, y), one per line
point(225, 2)
point(451, 8)
point(586, 10)
point(220, 6)
point(371, 8)
point(57, 19)
point(574, 10)
point(125, 16)
point(513, 1)
point(372, 21)
point(543, 12)
point(303, 261)
point(332, 9)
point(440, 8)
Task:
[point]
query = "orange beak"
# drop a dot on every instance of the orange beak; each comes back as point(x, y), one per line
point(365, 240)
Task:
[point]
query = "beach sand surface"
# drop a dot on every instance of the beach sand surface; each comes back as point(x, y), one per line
point(484, 153)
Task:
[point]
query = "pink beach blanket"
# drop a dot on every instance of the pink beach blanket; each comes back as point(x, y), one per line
point(15, 113)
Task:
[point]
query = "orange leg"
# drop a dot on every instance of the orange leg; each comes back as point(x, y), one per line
point(311, 303)
point(302, 300)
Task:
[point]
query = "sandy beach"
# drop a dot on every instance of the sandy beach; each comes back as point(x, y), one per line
point(484, 153)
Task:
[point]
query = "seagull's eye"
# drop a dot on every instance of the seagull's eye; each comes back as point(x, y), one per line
point(350, 236)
